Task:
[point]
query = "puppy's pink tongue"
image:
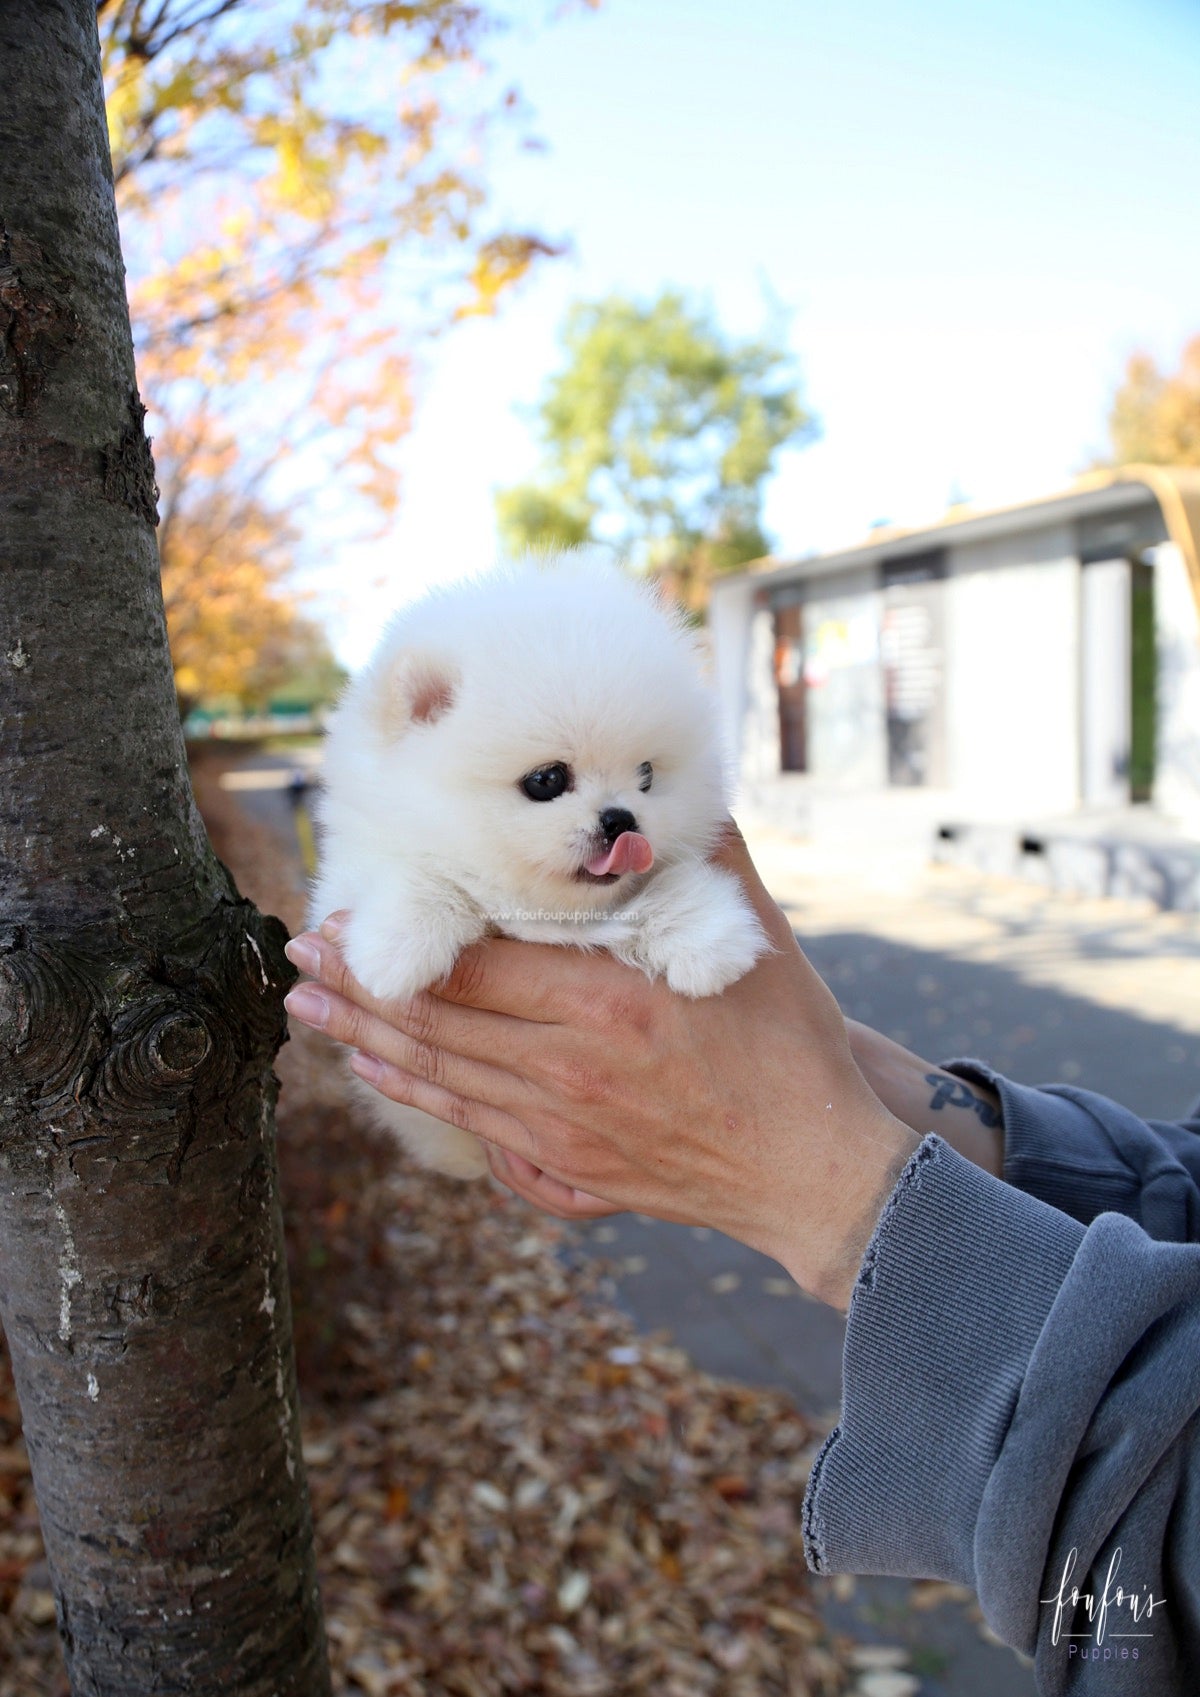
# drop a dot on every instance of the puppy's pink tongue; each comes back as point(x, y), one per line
point(630, 853)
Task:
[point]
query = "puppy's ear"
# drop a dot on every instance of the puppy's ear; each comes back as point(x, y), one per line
point(413, 687)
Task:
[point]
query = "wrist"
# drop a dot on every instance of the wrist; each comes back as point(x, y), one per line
point(845, 1197)
point(925, 1098)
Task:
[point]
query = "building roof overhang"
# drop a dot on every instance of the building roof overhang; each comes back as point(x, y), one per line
point(1175, 490)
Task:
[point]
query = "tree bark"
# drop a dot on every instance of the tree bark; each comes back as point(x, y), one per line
point(142, 1278)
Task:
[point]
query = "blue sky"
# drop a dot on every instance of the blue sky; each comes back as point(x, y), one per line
point(972, 213)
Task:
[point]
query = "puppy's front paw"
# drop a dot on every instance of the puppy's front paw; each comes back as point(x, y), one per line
point(708, 969)
point(391, 964)
point(709, 940)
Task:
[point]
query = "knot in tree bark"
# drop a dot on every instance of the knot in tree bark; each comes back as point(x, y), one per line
point(48, 1016)
point(164, 1043)
point(81, 1028)
point(179, 1043)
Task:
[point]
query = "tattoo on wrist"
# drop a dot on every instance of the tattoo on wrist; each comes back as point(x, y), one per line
point(954, 1093)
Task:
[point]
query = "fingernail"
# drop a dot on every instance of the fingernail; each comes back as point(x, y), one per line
point(303, 954)
point(366, 1066)
point(331, 928)
point(307, 1005)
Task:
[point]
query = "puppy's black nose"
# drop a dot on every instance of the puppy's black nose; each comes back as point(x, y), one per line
point(615, 820)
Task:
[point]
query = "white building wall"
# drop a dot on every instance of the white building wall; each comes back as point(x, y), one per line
point(730, 623)
point(1106, 682)
point(1177, 753)
point(1012, 672)
point(846, 723)
point(758, 755)
point(1013, 678)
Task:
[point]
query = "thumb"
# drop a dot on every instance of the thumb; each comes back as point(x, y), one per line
point(732, 854)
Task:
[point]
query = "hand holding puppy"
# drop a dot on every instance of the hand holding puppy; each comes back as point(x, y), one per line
point(595, 1089)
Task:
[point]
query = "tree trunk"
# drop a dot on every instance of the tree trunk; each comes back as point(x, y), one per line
point(142, 1279)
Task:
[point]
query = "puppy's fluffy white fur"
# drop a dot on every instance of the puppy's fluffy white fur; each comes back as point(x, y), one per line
point(431, 842)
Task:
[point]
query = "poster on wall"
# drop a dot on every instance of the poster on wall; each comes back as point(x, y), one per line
point(911, 649)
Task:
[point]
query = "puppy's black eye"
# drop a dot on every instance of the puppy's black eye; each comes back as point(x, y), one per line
point(547, 782)
point(645, 775)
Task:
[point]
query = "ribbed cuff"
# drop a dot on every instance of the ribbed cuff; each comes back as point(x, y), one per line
point(952, 1295)
point(1060, 1148)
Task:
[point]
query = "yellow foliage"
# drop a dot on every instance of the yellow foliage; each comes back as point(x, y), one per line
point(1155, 417)
point(499, 264)
point(237, 629)
point(274, 165)
point(319, 138)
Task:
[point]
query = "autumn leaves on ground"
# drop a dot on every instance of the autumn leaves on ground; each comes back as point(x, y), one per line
point(513, 1492)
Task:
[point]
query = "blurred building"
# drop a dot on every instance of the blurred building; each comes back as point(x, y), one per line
point(1034, 660)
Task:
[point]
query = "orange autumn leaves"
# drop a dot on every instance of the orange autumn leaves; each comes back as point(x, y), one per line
point(302, 191)
point(238, 632)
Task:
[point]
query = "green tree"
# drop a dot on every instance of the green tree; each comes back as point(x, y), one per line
point(657, 435)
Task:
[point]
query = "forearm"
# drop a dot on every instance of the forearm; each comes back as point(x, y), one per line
point(966, 1116)
point(1020, 1405)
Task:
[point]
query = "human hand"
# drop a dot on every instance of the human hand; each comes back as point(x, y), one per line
point(595, 1089)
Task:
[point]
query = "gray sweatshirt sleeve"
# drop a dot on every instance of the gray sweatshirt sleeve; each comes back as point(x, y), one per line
point(1087, 1155)
point(1021, 1414)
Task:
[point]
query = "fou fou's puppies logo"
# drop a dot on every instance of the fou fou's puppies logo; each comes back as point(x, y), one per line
point(1118, 1619)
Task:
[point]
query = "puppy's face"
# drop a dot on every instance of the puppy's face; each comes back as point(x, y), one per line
point(560, 789)
point(585, 825)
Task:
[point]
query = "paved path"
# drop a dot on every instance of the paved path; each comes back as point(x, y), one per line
point(948, 963)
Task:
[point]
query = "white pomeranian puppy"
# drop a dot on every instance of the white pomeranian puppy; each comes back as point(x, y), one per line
point(532, 753)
